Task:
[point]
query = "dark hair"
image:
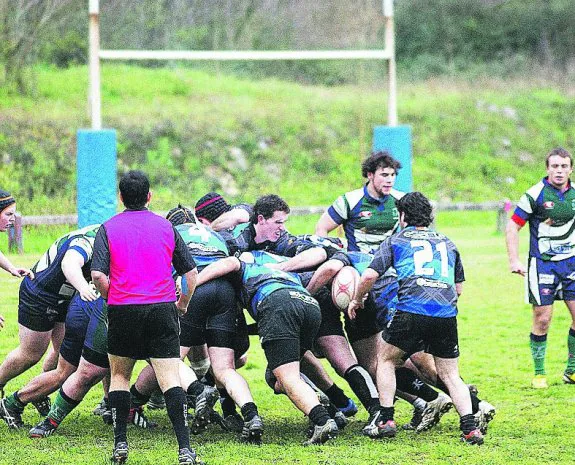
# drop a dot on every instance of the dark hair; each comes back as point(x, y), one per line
point(416, 208)
point(379, 159)
point(211, 206)
point(180, 215)
point(561, 152)
point(267, 206)
point(6, 200)
point(134, 187)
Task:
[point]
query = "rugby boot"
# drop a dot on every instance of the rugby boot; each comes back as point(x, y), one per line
point(12, 417)
point(42, 405)
point(188, 457)
point(204, 405)
point(253, 430)
point(569, 378)
point(415, 419)
point(350, 409)
point(138, 417)
point(157, 401)
point(484, 415)
point(43, 429)
point(473, 438)
point(540, 382)
point(387, 429)
point(234, 422)
point(323, 433)
point(101, 408)
point(370, 429)
point(433, 412)
point(120, 453)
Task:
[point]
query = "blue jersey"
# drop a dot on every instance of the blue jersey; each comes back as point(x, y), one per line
point(206, 245)
point(48, 270)
point(428, 266)
point(259, 281)
point(359, 260)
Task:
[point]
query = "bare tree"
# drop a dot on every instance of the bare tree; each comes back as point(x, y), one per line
point(21, 25)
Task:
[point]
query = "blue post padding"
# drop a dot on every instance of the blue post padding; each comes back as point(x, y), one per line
point(96, 162)
point(397, 141)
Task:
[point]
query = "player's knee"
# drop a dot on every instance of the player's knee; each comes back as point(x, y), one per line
point(200, 367)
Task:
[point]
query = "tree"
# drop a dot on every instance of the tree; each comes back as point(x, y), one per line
point(21, 24)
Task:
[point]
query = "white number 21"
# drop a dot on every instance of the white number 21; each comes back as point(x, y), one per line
point(424, 256)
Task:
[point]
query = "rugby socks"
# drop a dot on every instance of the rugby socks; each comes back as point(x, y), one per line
point(193, 391)
point(571, 348)
point(227, 403)
point(336, 396)
point(467, 424)
point(13, 402)
point(408, 382)
point(120, 406)
point(538, 346)
point(319, 415)
point(61, 407)
point(177, 408)
point(386, 413)
point(137, 399)
point(362, 386)
point(249, 411)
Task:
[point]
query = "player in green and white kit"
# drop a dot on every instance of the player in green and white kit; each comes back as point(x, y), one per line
point(549, 207)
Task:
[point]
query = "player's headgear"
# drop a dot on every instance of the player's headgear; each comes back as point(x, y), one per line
point(6, 200)
point(180, 215)
point(416, 208)
point(211, 206)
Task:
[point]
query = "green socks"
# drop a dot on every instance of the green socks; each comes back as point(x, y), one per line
point(571, 349)
point(538, 346)
point(61, 407)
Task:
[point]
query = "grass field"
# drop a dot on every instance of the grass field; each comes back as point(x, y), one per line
point(531, 427)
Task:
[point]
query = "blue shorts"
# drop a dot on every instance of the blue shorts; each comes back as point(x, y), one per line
point(86, 333)
point(548, 281)
point(39, 310)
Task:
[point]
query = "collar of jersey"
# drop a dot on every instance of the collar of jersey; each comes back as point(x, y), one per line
point(371, 199)
point(551, 186)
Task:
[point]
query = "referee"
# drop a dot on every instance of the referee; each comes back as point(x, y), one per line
point(132, 268)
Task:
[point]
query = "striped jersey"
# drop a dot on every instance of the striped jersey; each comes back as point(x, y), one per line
point(551, 217)
point(366, 221)
point(206, 245)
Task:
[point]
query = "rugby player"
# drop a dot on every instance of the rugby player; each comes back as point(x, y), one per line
point(43, 302)
point(549, 207)
point(430, 277)
point(288, 319)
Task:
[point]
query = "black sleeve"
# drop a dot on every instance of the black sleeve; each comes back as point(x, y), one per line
point(459, 273)
point(101, 256)
point(182, 258)
point(233, 247)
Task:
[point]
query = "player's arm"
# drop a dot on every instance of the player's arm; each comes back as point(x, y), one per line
point(324, 225)
point(101, 263)
point(72, 264)
point(309, 258)
point(326, 272)
point(230, 219)
point(191, 278)
point(512, 242)
point(101, 282)
point(7, 265)
point(368, 279)
point(218, 269)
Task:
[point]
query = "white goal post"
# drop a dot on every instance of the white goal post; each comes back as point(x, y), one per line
point(96, 54)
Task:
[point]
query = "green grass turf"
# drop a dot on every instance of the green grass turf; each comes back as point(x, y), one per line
point(531, 427)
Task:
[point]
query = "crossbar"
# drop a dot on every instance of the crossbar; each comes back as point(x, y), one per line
point(241, 55)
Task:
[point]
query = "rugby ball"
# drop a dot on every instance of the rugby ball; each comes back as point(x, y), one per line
point(343, 287)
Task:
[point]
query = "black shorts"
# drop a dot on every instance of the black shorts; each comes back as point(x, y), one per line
point(211, 317)
point(412, 333)
point(39, 310)
point(241, 336)
point(331, 322)
point(365, 324)
point(292, 317)
point(86, 333)
point(144, 331)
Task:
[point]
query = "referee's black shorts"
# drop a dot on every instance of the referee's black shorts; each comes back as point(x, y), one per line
point(144, 331)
